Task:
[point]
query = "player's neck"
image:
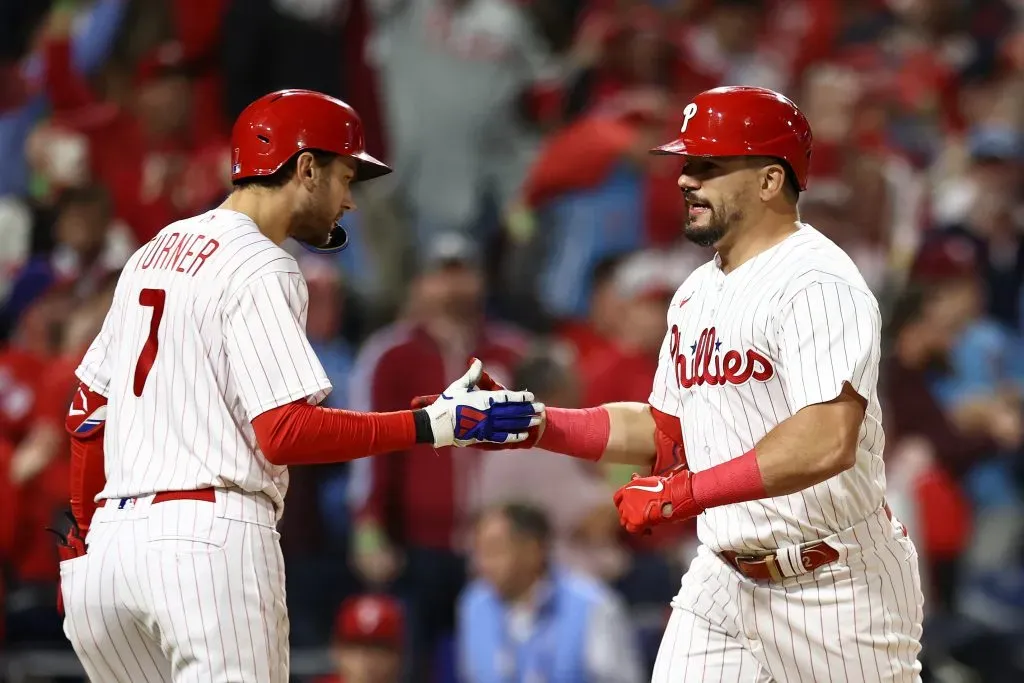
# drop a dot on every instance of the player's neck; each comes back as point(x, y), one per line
point(754, 240)
point(269, 215)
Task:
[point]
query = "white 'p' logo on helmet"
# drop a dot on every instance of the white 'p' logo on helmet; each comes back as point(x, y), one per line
point(688, 113)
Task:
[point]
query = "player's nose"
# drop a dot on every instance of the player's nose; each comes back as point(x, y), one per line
point(349, 202)
point(687, 182)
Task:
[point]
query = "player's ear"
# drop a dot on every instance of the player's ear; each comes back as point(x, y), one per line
point(306, 169)
point(773, 181)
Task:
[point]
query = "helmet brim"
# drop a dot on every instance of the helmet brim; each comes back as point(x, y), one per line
point(370, 167)
point(676, 147)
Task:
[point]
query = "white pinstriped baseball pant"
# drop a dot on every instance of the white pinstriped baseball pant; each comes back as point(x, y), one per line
point(857, 620)
point(180, 591)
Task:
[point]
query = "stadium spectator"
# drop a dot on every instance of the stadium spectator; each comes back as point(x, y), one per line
point(413, 507)
point(986, 210)
point(644, 282)
point(585, 530)
point(367, 645)
point(148, 151)
point(89, 248)
point(467, 71)
point(526, 618)
point(923, 330)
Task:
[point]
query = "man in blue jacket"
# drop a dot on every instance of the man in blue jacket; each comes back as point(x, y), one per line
point(524, 620)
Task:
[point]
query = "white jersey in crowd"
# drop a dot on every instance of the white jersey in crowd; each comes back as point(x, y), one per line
point(206, 331)
point(748, 349)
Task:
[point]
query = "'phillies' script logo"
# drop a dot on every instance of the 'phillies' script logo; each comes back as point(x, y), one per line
point(709, 365)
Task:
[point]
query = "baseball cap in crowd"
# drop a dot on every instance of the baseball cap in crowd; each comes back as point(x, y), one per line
point(651, 274)
point(370, 620)
point(998, 143)
point(166, 59)
point(945, 257)
point(452, 248)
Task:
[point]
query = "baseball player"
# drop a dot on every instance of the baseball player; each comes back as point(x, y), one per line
point(199, 392)
point(764, 423)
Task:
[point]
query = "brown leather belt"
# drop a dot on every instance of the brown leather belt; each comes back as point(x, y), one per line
point(207, 494)
point(768, 567)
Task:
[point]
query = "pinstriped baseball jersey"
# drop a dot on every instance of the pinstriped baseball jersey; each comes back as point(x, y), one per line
point(206, 331)
point(748, 349)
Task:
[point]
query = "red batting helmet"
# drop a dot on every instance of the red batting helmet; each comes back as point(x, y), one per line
point(274, 128)
point(745, 121)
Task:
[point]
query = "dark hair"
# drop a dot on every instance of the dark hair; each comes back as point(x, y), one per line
point(792, 188)
point(283, 175)
point(906, 308)
point(526, 520)
point(544, 368)
point(604, 269)
point(89, 195)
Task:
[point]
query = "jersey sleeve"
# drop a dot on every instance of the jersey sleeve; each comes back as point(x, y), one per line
point(828, 334)
point(96, 367)
point(271, 360)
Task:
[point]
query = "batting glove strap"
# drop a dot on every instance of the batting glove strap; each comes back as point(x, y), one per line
point(424, 429)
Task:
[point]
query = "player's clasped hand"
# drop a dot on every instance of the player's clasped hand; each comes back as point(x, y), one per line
point(464, 415)
point(70, 544)
point(646, 502)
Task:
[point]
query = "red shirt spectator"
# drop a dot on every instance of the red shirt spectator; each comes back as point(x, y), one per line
point(422, 496)
point(152, 157)
point(20, 369)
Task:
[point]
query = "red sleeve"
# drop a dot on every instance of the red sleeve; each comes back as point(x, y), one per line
point(301, 434)
point(668, 439)
point(85, 422)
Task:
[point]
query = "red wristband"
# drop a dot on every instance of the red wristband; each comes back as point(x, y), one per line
point(579, 433)
point(736, 481)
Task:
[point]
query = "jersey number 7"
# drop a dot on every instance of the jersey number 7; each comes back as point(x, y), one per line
point(155, 299)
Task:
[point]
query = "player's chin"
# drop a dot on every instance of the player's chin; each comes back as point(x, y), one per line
point(702, 235)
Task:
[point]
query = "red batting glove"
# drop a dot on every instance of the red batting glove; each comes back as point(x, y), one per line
point(487, 384)
point(69, 546)
point(646, 502)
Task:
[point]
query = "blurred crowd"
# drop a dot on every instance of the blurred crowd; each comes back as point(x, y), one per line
point(525, 224)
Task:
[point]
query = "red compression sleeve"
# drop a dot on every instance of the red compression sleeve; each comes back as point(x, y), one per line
point(301, 434)
point(579, 433)
point(669, 453)
point(87, 479)
point(735, 481)
point(86, 422)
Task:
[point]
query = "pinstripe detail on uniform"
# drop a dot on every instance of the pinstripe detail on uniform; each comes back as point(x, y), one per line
point(804, 307)
point(232, 344)
point(744, 352)
point(814, 627)
point(162, 595)
point(206, 331)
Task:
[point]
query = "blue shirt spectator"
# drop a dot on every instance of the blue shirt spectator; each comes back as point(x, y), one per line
point(526, 621)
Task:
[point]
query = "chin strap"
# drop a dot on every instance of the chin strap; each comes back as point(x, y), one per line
point(337, 241)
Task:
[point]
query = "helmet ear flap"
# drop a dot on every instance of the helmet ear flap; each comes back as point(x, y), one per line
point(336, 242)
